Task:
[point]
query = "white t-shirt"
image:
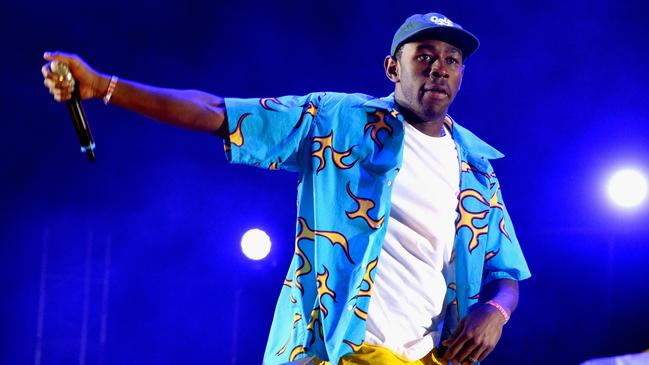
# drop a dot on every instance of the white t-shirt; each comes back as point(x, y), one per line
point(407, 304)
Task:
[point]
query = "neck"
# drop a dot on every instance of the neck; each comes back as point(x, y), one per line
point(433, 127)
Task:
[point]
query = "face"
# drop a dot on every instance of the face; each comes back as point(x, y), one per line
point(427, 76)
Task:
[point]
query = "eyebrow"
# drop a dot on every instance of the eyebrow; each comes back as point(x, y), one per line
point(430, 47)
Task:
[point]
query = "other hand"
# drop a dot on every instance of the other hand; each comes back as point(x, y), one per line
point(475, 337)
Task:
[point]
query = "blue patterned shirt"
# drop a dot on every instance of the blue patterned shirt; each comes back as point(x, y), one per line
point(347, 150)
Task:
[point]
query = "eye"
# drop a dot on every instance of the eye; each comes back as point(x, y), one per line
point(425, 58)
point(452, 61)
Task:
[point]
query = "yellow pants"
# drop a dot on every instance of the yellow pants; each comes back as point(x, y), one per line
point(372, 355)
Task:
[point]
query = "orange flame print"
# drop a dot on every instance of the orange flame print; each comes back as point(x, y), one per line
point(466, 217)
point(296, 318)
point(312, 322)
point(236, 137)
point(324, 289)
point(298, 350)
point(310, 109)
point(378, 126)
point(264, 103)
point(453, 287)
point(495, 204)
point(360, 313)
point(305, 267)
point(466, 167)
point(367, 278)
point(354, 346)
point(337, 157)
point(364, 206)
point(490, 255)
point(336, 239)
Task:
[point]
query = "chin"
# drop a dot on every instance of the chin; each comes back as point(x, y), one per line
point(433, 112)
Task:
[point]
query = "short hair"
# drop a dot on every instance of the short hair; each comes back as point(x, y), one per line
point(398, 52)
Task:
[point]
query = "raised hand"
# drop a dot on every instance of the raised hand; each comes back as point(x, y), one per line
point(91, 83)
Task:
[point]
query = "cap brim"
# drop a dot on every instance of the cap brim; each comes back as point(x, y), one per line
point(460, 38)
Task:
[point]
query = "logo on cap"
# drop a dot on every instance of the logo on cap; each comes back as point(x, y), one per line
point(441, 21)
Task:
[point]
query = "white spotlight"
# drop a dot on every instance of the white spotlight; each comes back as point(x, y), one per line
point(627, 188)
point(255, 244)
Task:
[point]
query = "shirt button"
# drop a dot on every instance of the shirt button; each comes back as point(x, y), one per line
point(389, 182)
point(350, 307)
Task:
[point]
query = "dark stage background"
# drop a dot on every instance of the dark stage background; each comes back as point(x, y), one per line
point(136, 259)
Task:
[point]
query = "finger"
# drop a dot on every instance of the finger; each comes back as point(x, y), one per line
point(473, 356)
point(61, 70)
point(55, 84)
point(58, 68)
point(60, 96)
point(65, 94)
point(450, 342)
point(62, 99)
point(454, 350)
point(466, 350)
point(49, 71)
point(60, 56)
point(45, 70)
point(485, 353)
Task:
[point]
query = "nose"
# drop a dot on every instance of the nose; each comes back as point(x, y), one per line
point(438, 70)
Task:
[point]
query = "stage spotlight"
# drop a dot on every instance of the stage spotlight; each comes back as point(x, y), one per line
point(627, 188)
point(255, 244)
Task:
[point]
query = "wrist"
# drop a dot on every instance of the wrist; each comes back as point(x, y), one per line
point(503, 312)
point(100, 86)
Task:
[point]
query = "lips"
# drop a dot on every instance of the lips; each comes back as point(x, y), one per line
point(435, 92)
point(436, 89)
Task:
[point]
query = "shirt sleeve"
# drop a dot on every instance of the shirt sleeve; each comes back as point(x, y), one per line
point(504, 257)
point(270, 132)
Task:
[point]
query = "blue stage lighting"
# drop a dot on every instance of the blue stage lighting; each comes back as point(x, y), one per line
point(255, 244)
point(627, 188)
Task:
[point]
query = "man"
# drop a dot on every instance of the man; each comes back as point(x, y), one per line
point(397, 203)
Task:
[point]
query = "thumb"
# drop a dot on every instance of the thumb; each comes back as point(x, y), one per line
point(60, 57)
point(51, 56)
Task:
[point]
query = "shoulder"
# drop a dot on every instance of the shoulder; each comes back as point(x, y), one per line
point(473, 145)
point(344, 107)
point(342, 100)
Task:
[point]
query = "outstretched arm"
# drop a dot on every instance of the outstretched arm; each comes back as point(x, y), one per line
point(478, 333)
point(191, 109)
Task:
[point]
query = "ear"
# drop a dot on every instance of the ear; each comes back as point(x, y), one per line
point(391, 66)
point(459, 86)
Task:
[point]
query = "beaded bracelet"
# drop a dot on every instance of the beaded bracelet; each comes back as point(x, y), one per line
point(500, 308)
point(111, 88)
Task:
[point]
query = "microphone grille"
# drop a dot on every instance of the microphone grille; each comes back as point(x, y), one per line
point(62, 70)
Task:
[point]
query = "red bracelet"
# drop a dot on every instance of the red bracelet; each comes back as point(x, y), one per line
point(500, 308)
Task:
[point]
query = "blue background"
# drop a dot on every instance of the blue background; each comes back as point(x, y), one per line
point(136, 259)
